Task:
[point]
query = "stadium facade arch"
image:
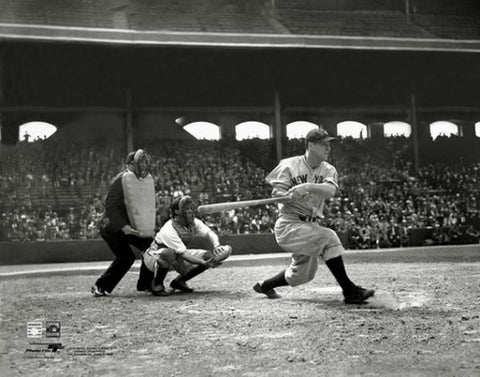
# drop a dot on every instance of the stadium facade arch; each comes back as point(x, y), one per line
point(127, 79)
point(444, 128)
point(36, 130)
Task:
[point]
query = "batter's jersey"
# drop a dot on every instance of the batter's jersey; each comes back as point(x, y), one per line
point(177, 237)
point(294, 171)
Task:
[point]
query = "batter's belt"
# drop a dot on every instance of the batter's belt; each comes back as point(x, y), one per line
point(308, 219)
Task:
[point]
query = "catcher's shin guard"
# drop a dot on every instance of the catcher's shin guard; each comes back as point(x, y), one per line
point(179, 282)
point(192, 273)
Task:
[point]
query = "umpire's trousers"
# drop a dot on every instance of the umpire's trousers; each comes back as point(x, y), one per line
point(120, 243)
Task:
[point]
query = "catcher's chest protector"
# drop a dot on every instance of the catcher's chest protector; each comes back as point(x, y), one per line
point(139, 198)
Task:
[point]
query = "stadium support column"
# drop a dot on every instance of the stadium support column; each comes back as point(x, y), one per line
point(278, 126)
point(9, 130)
point(11, 85)
point(1, 93)
point(227, 128)
point(413, 116)
point(407, 10)
point(2, 78)
point(128, 121)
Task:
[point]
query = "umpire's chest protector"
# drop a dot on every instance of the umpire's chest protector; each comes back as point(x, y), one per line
point(139, 196)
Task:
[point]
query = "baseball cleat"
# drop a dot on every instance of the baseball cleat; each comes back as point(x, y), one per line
point(270, 293)
point(357, 295)
point(180, 285)
point(159, 290)
point(97, 291)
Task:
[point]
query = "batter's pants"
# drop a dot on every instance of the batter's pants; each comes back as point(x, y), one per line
point(307, 241)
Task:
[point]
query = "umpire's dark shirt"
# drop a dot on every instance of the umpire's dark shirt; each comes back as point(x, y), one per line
point(115, 216)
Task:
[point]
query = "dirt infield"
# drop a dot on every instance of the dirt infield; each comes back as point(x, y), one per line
point(425, 321)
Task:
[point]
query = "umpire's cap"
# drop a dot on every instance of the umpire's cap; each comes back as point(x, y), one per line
point(317, 135)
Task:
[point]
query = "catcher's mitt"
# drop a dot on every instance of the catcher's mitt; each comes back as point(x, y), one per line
point(220, 253)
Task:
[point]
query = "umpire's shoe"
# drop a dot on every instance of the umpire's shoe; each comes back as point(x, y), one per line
point(270, 293)
point(143, 288)
point(180, 285)
point(357, 295)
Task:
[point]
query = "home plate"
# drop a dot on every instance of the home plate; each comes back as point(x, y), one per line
point(385, 300)
point(327, 290)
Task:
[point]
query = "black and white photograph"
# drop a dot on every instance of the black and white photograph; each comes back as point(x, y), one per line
point(240, 188)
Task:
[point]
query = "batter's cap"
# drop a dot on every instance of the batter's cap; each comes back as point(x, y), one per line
point(318, 135)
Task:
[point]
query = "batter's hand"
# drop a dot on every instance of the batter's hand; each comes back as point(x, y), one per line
point(298, 192)
point(128, 230)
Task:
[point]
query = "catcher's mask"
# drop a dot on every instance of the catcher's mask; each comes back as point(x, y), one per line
point(140, 163)
point(183, 209)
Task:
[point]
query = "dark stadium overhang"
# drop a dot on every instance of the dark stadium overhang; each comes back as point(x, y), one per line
point(21, 32)
point(70, 75)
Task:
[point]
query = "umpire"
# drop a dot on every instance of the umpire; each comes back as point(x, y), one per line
point(117, 230)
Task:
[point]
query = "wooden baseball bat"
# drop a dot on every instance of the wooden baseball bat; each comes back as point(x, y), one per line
point(226, 206)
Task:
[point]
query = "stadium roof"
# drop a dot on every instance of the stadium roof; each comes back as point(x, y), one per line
point(428, 25)
point(73, 54)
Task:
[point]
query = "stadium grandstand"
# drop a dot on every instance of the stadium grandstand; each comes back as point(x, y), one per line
point(110, 76)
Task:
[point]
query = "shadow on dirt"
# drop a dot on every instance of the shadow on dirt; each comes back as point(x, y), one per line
point(181, 296)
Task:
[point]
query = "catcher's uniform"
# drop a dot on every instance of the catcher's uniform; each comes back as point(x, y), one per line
point(298, 228)
point(171, 243)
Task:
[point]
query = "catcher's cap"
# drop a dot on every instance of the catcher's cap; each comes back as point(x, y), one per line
point(175, 205)
point(179, 203)
point(318, 135)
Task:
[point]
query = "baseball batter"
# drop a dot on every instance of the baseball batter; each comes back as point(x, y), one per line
point(309, 180)
point(169, 249)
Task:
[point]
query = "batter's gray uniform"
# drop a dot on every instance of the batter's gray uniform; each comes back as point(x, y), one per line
point(308, 181)
point(298, 228)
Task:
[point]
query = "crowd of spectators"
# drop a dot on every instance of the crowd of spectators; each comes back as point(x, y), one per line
point(56, 163)
point(27, 224)
point(382, 203)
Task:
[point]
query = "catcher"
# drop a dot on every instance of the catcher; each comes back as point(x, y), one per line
point(169, 249)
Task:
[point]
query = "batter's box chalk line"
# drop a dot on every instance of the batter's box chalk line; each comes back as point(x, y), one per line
point(384, 300)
